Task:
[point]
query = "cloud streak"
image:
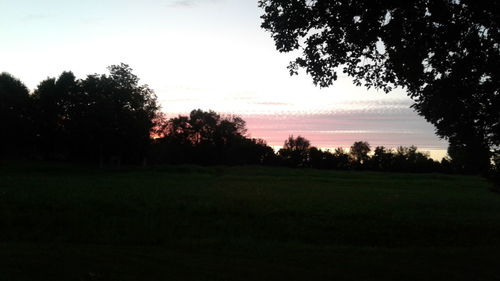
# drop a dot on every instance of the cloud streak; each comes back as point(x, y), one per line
point(342, 129)
point(190, 3)
point(271, 103)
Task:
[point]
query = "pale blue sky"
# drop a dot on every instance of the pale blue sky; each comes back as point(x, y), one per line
point(209, 54)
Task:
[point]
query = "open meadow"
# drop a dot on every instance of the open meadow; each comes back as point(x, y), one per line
point(244, 223)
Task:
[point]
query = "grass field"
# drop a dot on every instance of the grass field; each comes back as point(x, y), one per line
point(244, 223)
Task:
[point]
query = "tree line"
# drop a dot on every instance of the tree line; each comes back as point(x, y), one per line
point(209, 138)
point(297, 152)
point(110, 120)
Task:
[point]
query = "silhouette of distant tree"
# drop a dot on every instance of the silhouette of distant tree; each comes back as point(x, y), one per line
point(116, 115)
point(160, 125)
point(408, 159)
point(206, 137)
point(382, 159)
point(212, 135)
point(16, 128)
point(105, 117)
point(295, 151)
point(299, 143)
point(359, 152)
point(179, 131)
point(230, 129)
point(54, 101)
point(204, 125)
point(403, 156)
point(325, 159)
point(250, 151)
point(317, 158)
point(341, 159)
point(443, 52)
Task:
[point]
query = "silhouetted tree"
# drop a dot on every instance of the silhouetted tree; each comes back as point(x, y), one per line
point(206, 137)
point(443, 52)
point(317, 158)
point(180, 132)
point(341, 159)
point(55, 101)
point(409, 159)
point(382, 159)
point(212, 135)
point(116, 115)
point(295, 151)
point(204, 125)
point(250, 151)
point(160, 125)
point(105, 117)
point(231, 128)
point(359, 152)
point(16, 127)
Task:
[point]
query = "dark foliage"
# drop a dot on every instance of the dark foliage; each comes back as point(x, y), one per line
point(116, 116)
point(403, 159)
point(445, 53)
point(55, 106)
point(295, 152)
point(205, 137)
point(16, 124)
point(103, 119)
point(359, 153)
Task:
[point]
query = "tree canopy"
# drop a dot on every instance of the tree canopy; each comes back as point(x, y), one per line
point(206, 137)
point(295, 151)
point(445, 53)
point(103, 117)
point(359, 151)
point(15, 119)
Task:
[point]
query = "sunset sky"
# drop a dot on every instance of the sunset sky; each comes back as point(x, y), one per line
point(208, 54)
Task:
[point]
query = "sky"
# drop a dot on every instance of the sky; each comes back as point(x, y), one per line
point(208, 54)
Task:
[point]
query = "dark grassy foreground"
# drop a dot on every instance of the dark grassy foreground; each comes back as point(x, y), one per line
point(245, 223)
